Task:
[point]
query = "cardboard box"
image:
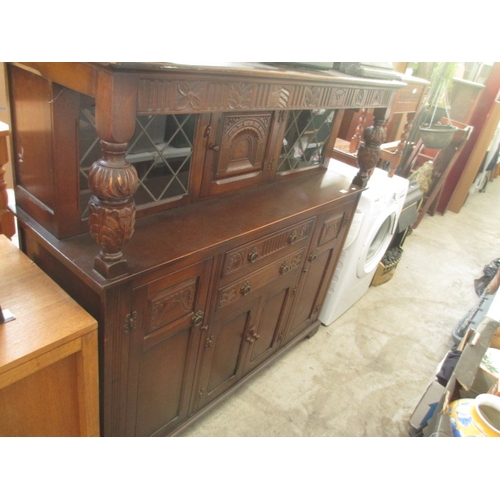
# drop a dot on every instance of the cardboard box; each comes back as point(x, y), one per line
point(426, 407)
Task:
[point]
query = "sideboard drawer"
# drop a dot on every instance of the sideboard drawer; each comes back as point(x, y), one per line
point(255, 281)
point(252, 256)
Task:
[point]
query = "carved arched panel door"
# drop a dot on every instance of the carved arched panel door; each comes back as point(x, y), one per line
point(239, 151)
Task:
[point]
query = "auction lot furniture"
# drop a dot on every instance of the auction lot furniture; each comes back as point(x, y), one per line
point(215, 225)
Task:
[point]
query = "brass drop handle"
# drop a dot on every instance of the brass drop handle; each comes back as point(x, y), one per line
point(253, 255)
point(293, 237)
point(214, 147)
point(197, 319)
point(313, 256)
point(245, 289)
point(285, 267)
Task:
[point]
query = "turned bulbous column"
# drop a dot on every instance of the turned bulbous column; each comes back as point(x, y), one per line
point(369, 150)
point(113, 182)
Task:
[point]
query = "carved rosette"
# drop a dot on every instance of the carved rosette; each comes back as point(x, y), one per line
point(369, 151)
point(113, 182)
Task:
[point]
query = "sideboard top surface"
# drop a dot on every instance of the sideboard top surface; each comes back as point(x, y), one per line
point(178, 233)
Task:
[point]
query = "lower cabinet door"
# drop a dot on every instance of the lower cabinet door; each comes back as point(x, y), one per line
point(225, 349)
point(311, 292)
point(268, 336)
point(321, 260)
point(163, 350)
point(241, 338)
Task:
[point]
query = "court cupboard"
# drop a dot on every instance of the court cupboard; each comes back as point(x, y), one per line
point(190, 211)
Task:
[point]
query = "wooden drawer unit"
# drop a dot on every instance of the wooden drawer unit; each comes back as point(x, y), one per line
point(255, 281)
point(258, 252)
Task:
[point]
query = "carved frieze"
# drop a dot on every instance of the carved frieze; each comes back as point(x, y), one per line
point(189, 96)
point(337, 98)
point(157, 96)
point(240, 95)
point(279, 97)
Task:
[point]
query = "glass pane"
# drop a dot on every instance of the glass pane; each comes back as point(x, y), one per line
point(305, 137)
point(161, 152)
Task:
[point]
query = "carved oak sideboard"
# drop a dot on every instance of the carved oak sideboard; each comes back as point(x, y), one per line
point(214, 223)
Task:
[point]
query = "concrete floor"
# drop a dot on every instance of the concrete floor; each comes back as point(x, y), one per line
point(364, 374)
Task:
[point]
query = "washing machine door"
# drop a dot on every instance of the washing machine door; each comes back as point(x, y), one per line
point(376, 243)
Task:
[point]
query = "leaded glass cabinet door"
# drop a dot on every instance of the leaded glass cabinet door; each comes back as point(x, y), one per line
point(306, 136)
point(161, 151)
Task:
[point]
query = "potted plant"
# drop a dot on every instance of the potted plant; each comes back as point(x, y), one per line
point(436, 135)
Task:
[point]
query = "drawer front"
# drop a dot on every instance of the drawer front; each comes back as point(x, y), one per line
point(239, 289)
point(257, 253)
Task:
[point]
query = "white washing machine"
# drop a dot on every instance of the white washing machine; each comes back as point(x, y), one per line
point(372, 229)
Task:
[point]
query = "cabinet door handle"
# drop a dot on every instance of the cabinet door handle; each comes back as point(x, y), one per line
point(245, 289)
point(197, 319)
point(253, 336)
point(313, 256)
point(285, 267)
point(214, 147)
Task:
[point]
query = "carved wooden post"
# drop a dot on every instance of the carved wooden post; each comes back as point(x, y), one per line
point(369, 151)
point(112, 180)
point(360, 127)
point(395, 157)
point(410, 117)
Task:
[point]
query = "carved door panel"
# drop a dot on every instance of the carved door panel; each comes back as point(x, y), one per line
point(322, 257)
point(268, 335)
point(225, 349)
point(240, 151)
point(163, 349)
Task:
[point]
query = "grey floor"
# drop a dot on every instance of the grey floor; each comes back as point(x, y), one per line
point(364, 374)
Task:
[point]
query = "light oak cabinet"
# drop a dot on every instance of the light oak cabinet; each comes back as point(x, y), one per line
point(48, 355)
point(215, 224)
